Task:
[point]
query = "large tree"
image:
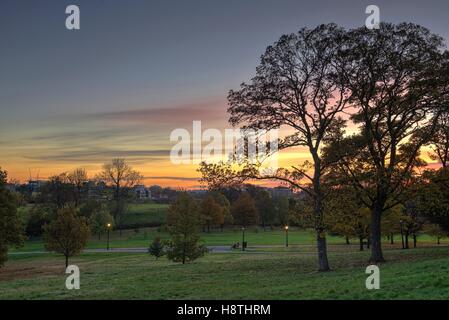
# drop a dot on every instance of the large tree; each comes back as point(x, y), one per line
point(11, 229)
point(296, 87)
point(398, 83)
point(121, 176)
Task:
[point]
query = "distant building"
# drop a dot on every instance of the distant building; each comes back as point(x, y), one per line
point(34, 185)
point(281, 192)
point(141, 192)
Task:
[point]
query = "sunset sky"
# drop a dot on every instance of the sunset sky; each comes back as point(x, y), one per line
point(139, 69)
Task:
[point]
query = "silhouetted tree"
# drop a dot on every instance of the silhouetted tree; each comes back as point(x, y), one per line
point(397, 78)
point(296, 86)
point(57, 193)
point(121, 176)
point(78, 179)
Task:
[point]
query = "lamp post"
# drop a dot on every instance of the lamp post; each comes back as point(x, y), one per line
point(243, 240)
point(108, 226)
point(286, 236)
point(402, 233)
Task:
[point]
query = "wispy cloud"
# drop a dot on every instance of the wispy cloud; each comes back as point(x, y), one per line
point(100, 155)
point(209, 111)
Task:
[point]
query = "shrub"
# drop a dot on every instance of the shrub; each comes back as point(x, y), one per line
point(156, 248)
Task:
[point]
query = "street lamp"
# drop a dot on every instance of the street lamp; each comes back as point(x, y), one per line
point(286, 236)
point(108, 226)
point(243, 240)
point(402, 233)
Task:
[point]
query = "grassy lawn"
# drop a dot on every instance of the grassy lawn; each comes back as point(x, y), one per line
point(145, 214)
point(408, 274)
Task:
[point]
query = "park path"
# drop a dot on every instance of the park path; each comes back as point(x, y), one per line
point(223, 249)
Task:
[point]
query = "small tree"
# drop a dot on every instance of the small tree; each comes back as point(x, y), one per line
point(183, 219)
point(391, 222)
point(221, 199)
point(67, 234)
point(99, 221)
point(156, 248)
point(211, 213)
point(244, 211)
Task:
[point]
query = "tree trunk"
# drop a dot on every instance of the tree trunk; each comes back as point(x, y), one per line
point(322, 253)
point(368, 242)
point(438, 240)
point(406, 240)
point(361, 243)
point(347, 240)
point(376, 245)
point(392, 238)
point(184, 250)
point(323, 261)
point(414, 241)
point(66, 261)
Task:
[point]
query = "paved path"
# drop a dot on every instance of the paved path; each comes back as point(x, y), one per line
point(221, 249)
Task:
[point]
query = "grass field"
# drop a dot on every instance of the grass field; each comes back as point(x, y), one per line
point(267, 270)
point(409, 274)
point(145, 215)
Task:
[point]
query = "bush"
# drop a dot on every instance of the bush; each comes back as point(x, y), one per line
point(183, 250)
point(156, 248)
